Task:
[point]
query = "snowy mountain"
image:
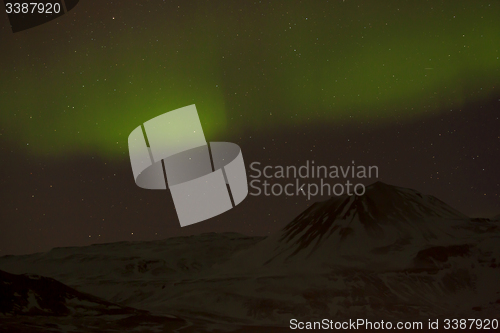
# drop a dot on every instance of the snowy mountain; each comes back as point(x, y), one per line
point(383, 229)
point(385, 219)
point(392, 253)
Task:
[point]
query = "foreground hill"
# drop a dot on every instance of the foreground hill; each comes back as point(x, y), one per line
point(33, 303)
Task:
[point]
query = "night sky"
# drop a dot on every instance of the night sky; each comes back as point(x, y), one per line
point(410, 86)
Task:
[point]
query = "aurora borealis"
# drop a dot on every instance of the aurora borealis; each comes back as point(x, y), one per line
point(96, 74)
point(292, 77)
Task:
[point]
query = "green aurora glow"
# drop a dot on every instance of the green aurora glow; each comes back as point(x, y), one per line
point(83, 88)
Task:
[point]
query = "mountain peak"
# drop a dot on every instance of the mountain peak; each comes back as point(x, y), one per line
point(380, 184)
point(382, 201)
point(384, 215)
